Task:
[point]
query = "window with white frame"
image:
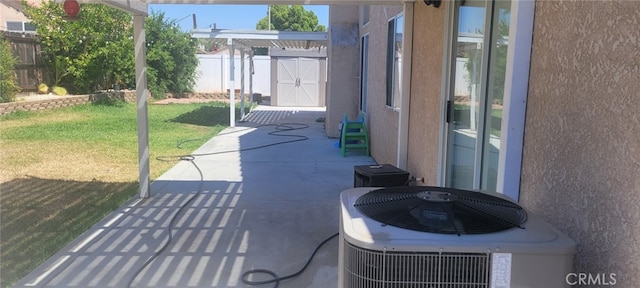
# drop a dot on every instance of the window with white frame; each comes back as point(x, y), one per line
point(20, 26)
point(364, 72)
point(394, 61)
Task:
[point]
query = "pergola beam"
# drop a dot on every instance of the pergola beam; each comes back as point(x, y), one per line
point(247, 39)
point(135, 7)
point(260, 35)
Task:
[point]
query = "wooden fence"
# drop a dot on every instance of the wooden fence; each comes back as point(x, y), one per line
point(30, 70)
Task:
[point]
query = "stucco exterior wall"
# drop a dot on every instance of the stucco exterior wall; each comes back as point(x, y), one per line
point(581, 157)
point(7, 13)
point(426, 89)
point(343, 57)
point(382, 120)
point(11, 10)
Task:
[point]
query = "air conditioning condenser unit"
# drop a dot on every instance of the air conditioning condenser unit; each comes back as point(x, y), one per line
point(430, 237)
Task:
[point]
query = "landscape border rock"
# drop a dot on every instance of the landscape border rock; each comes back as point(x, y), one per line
point(65, 101)
point(40, 104)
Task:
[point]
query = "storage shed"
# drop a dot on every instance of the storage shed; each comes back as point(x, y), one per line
point(298, 77)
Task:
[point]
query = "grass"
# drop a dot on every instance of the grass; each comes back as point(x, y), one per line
point(64, 170)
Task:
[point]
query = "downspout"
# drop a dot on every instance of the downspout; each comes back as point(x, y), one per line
point(405, 101)
point(141, 101)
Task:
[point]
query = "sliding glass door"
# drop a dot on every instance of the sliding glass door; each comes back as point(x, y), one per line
point(474, 120)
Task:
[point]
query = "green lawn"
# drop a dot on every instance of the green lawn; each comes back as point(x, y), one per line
point(64, 170)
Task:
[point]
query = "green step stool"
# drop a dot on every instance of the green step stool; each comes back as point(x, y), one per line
point(354, 136)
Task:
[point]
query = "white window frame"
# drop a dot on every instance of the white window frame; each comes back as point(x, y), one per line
point(391, 99)
point(364, 71)
point(23, 25)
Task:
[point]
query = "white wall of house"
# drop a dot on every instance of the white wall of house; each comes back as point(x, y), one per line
point(212, 73)
point(343, 69)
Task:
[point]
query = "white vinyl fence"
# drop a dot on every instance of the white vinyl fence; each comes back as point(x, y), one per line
point(212, 74)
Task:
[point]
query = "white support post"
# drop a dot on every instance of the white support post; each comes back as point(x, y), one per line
point(223, 69)
point(232, 85)
point(250, 80)
point(141, 102)
point(242, 84)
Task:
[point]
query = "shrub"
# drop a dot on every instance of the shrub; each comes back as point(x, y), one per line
point(43, 88)
point(97, 51)
point(59, 90)
point(8, 84)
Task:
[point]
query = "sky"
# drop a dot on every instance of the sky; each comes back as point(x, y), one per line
point(225, 16)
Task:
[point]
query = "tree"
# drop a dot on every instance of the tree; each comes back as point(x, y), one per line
point(88, 54)
point(8, 85)
point(97, 50)
point(290, 18)
point(171, 56)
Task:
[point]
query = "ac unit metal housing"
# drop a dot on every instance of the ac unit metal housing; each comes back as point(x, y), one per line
point(372, 254)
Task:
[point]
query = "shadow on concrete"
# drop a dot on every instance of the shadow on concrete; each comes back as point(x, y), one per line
point(243, 208)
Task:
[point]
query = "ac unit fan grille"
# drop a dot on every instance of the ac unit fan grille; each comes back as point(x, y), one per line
point(369, 269)
point(441, 210)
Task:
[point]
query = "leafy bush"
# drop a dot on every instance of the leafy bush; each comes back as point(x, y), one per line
point(43, 88)
point(171, 57)
point(156, 87)
point(8, 85)
point(60, 91)
point(97, 51)
point(88, 54)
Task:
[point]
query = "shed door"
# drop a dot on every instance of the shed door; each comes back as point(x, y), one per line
point(298, 80)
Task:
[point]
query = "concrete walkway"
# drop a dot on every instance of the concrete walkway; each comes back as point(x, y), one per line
point(257, 208)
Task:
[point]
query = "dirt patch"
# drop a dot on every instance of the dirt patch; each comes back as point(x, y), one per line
point(57, 160)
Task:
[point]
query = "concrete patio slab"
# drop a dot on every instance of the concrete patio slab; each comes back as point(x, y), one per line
point(236, 206)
